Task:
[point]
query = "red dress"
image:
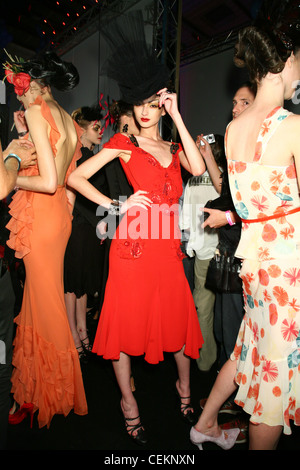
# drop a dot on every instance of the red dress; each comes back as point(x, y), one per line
point(148, 306)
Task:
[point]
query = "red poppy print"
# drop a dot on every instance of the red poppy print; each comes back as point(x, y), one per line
point(254, 392)
point(269, 233)
point(274, 111)
point(269, 371)
point(281, 295)
point(287, 233)
point(240, 167)
point(255, 331)
point(297, 417)
point(291, 172)
point(255, 357)
point(263, 277)
point(294, 305)
point(265, 128)
point(289, 330)
point(260, 202)
point(292, 276)
point(258, 409)
point(273, 314)
point(267, 297)
point(258, 150)
point(276, 177)
point(276, 391)
point(230, 168)
point(274, 271)
point(255, 186)
point(263, 253)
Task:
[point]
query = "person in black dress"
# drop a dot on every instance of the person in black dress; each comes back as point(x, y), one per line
point(84, 257)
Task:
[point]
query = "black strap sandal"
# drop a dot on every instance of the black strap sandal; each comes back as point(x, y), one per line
point(186, 410)
point(140, 436)
point(86, 346)
point(82, 354)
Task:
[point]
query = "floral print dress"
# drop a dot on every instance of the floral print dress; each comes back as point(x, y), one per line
point(268, 344)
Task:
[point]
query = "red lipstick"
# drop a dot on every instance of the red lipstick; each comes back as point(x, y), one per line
point(145, 119)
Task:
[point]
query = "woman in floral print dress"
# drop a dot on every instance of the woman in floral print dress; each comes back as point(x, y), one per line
point(263, 153)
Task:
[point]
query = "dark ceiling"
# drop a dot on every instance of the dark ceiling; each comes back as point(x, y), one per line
point(29, 26)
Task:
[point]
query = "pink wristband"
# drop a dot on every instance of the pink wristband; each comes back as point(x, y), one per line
point(229, 219)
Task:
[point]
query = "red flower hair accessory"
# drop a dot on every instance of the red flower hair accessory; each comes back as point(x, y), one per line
point(14, 75)
point(20, 81)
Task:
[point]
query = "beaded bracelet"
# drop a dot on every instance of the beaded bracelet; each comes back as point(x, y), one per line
point(13, 155)
point(115, 207)
point(229, 219)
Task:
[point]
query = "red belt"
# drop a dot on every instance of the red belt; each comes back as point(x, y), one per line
point(270, 217)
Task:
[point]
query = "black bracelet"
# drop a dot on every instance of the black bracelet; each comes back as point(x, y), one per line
point(21, 134)
point(13, 155)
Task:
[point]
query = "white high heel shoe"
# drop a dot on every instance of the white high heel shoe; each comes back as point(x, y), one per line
point(226, 440)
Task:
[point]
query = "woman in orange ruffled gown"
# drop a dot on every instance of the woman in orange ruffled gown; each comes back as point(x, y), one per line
point(47, 375)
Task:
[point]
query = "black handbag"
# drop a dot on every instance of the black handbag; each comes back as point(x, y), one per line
point(223, 274)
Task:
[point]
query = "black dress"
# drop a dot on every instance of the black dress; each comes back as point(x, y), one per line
point(84, 257)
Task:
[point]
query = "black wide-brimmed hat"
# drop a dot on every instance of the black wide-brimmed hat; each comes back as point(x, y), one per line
point(131, 62)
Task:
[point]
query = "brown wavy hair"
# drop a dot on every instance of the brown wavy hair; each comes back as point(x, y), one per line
point(266, 45)
point(256, 51)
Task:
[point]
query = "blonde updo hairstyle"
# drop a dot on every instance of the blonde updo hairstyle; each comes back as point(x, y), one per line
point(85, 115)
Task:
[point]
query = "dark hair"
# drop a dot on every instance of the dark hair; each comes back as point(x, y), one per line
point(256, 51)
point(266, 46)
point(85, 115)
point(250, 85)
point(218, 151)
point(51, 70)
point(120, 108)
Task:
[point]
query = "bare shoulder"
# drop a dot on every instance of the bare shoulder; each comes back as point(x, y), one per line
point(293, 120)
point(33, 110)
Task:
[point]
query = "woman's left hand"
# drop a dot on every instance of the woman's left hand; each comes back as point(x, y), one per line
point(168, 100)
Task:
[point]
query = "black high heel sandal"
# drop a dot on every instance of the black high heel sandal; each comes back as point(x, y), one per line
point(86, 346)
point(140, 437)
point(82, 355)
point(186, 410)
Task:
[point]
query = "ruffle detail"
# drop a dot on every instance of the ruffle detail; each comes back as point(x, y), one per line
point(268, 345)
point(283, 404)
point(20, 225)
point(46, 377)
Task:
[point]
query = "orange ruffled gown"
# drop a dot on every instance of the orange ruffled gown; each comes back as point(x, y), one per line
point(47, 370)
point(148, 306)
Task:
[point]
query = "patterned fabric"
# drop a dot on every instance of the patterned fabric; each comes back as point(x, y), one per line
point(268, 345)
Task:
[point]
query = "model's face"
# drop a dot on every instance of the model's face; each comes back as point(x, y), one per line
point(148, 113)
point(93, 134)
point(242, 99)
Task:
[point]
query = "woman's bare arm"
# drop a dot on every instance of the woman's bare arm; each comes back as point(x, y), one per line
point(46, 181)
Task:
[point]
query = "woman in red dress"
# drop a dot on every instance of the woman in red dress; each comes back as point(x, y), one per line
point(148, 306)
